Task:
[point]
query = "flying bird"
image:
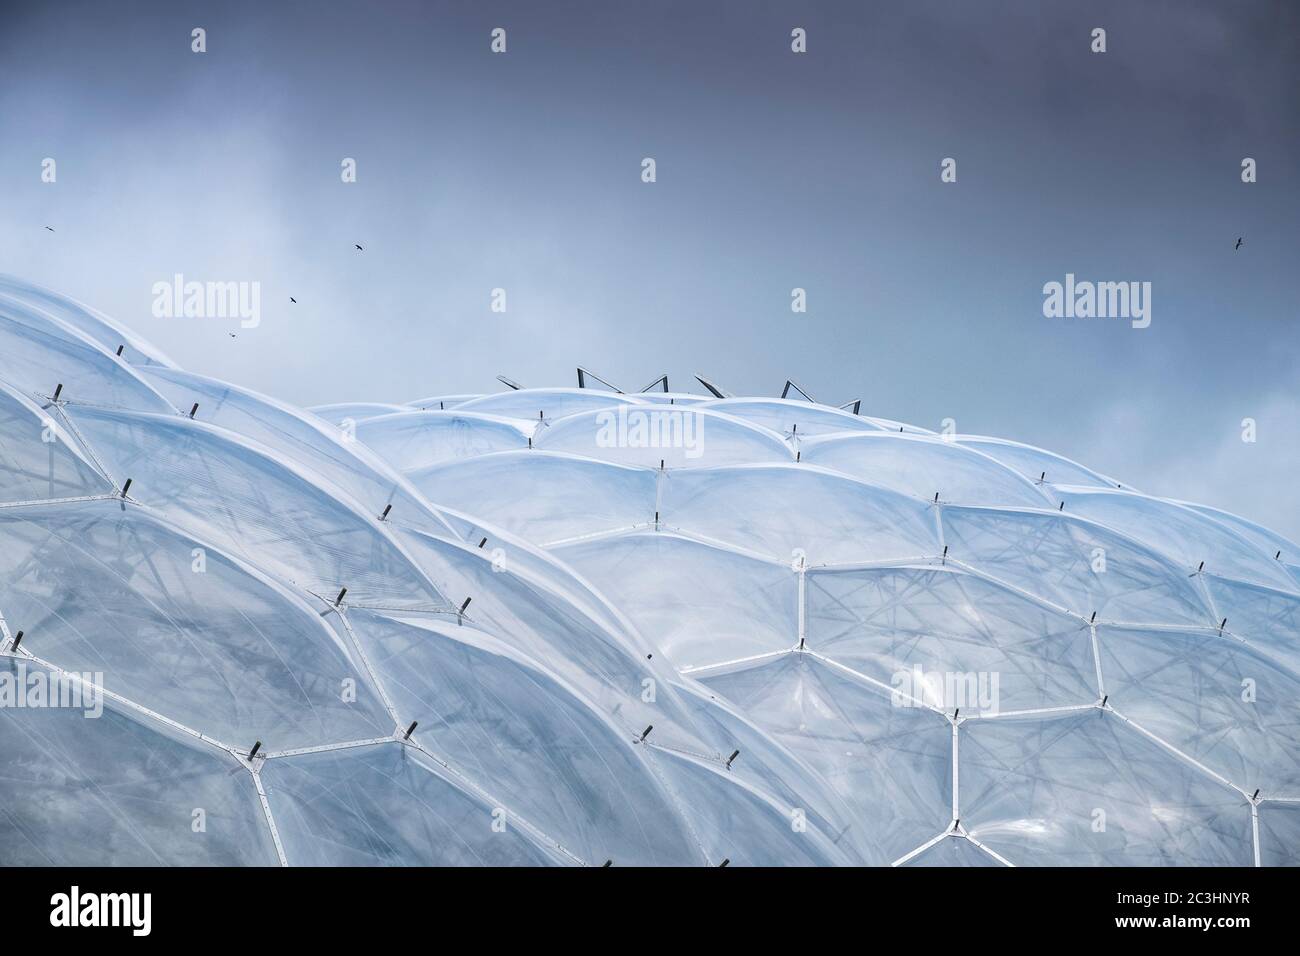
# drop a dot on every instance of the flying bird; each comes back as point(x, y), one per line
point(359, 249)
point(231, 334)
point(1238, 245)
point(293, 300)
point(47, 227)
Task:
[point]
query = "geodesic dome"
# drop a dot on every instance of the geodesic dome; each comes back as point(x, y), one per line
point(575, 626)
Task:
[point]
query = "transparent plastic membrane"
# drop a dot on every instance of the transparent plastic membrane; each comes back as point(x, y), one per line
point(413, 440)
point(924, 467)
point(703, 604)
point(36, 361)
point(39, 458)
point(99, 587)
point(545, 404)
point(332, 456)
point(792, 419)
point(1216, 700)
point(891, 764)
point(92, 324)
point(1076, 565)
point(388, 806)
point(1084, 789)
point(750, 508)
point(343, 412)
point(562, 764)
point(676, 630)
point(544, 497)
point(255, 506)
point(655, 436)
point(951, 640)
point(118, 790)
point(1034, 463)
point(1279, 833)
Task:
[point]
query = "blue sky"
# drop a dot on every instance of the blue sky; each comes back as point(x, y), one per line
point(821, 171)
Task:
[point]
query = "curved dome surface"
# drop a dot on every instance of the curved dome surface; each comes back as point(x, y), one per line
point(569, 627)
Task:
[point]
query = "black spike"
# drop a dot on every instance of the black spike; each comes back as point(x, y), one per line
point(384, 515)
point(1062, 508)
point(464, 605)
point(1278, 556)
point(734, 755)
point(126, 487)
point(58, 389)
point(1222, 625)
point(661, 468)
point(955, 713)
point(339, 600)
point(724, 862)
point(936, 497)
point(798, 456)
point(1104, 699)
point(410, 730)
point(1255, 795)
point(607, 863)
point(541, 415)
point(483, 542)
point(646, 733)
point(119, 349)
point(194, 409)
point(796, 429)
point(253, 753)
point(1042, 476)
point(945, 554)
point(18, 639)
point(1093, 619)
point(801, 640)
point(530, 441)
point(1200, 568)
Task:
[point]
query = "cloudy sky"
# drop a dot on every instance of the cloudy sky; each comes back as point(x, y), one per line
point(775, 170)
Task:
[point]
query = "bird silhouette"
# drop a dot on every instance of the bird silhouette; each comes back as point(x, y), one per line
point(47, 227)
point(231, 334)
point(359, 249)
point(1238, 245)
point(293, 300)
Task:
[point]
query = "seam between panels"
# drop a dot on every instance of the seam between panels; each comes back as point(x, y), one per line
point(956, 777)
point(269, 817)
point(1254, 829)
point(892, 691)
point(27, 656)
point(370, 671)
point(1188, 758)
point(1096, 661)
point(921, 849)
point(694, 670)
point(989, 850)
point(36, 502)
point(595, 536)
point(536, 833)
point(90, 451)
